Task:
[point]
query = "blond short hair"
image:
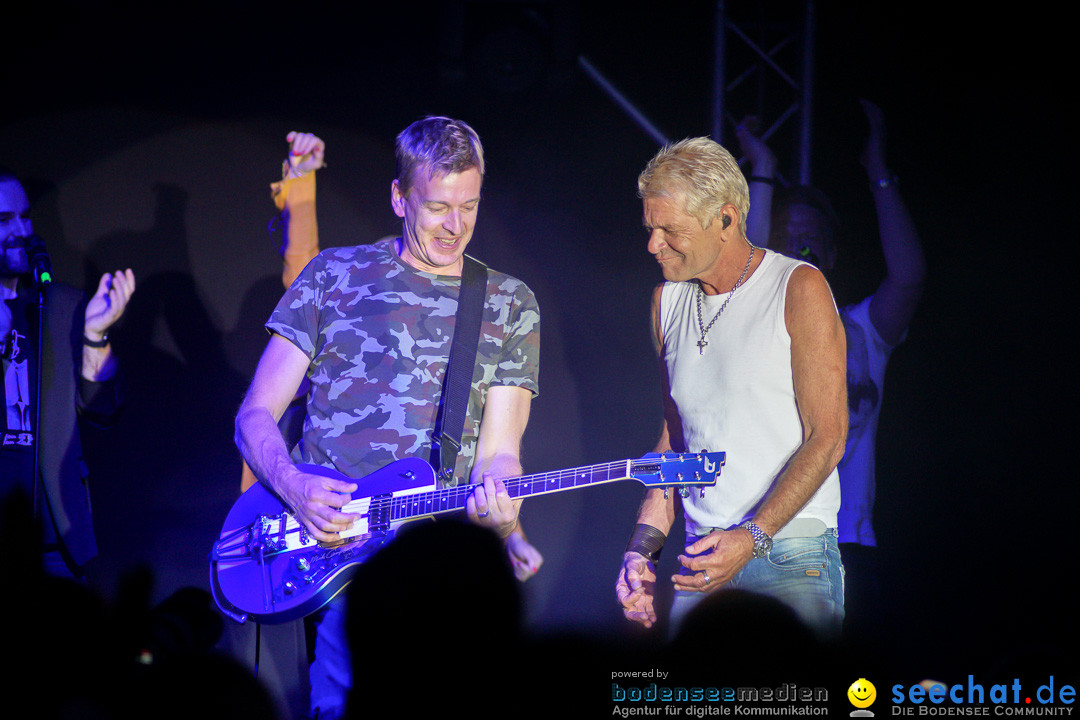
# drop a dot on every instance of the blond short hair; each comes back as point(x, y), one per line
point(437, 145)
point(705, 174)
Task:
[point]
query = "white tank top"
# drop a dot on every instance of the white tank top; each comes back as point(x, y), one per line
point(738, 397)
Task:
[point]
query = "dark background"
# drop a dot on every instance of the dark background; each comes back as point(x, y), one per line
point(148, 138)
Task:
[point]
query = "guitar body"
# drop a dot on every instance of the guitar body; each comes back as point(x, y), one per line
point(265, 567)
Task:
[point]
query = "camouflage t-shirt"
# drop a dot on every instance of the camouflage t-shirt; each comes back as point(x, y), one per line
point(378, 334)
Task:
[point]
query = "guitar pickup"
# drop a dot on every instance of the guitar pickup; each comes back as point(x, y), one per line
point(379, 513)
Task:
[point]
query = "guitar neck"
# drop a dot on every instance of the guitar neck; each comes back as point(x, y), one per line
point(453, 499)
point(559, 480)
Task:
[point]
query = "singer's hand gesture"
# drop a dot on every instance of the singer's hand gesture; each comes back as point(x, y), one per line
point(108, 303)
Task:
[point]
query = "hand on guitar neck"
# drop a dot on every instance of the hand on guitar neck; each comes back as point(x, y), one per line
point(489, 505)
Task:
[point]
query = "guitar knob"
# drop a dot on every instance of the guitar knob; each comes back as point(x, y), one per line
point(303, 564)
point(289, 587)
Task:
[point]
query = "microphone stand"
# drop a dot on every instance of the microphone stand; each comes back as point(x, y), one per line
point(41, 269)
point(39, 385)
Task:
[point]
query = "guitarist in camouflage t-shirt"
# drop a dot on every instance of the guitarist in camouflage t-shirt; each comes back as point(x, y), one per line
point(370, 327)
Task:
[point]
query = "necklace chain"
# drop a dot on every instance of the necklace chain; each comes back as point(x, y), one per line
point(701, 323)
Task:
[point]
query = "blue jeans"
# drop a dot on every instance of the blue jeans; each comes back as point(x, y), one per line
point(331, 669)
point(805, 573)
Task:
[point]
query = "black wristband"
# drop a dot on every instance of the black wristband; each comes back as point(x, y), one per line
point(647, 540)
point(95, 343)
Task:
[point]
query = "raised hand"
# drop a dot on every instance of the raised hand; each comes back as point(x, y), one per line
point(307, 153)
point(107, 305)
point(873, 155)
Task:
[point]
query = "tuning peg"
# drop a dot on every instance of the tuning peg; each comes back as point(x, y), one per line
point(684, 492)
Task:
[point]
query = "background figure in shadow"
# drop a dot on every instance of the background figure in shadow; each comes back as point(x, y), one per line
point(434, 622)
point(76, 655)
point(744, 620)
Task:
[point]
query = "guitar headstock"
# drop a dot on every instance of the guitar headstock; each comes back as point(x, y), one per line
point(655, 470)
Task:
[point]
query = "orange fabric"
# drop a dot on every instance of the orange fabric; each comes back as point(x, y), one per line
point(295, 198)
point(247, 478)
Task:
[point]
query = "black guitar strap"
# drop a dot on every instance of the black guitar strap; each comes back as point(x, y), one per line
point(459, 373)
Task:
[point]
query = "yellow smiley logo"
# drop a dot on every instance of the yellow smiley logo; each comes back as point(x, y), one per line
point(862, 693)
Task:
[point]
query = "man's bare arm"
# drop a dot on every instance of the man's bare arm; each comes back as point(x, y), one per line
point(894, 303)
point(819, 373)
point(635, 587)
point(498, 456)
point(315, 499)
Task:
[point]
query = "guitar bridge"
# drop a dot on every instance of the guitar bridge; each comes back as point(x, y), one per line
point(268, 535)
point(379, 513)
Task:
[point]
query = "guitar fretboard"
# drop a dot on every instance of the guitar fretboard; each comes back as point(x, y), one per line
point(454, 499)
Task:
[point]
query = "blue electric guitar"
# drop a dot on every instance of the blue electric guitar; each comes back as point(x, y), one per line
point(266, 567)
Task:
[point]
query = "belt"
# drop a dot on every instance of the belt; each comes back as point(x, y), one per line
point(796, 528)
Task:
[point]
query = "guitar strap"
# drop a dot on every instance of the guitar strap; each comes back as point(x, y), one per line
point(457, 384)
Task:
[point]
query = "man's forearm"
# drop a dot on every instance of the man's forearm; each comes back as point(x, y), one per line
point(262, 446)
point(500, 465)
point(803, 475)
point(658, 506)
point(658, 509)
point(98, 364)
point(904, 260)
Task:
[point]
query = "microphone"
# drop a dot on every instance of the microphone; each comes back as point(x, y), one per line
point(38, 259)
point(806, 254)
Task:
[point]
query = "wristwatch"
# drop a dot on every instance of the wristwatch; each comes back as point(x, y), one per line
point(762, 542)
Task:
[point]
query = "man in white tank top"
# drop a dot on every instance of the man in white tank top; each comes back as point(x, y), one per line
point(753, 353)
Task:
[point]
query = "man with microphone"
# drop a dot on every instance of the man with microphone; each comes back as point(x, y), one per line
point(53, 343)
